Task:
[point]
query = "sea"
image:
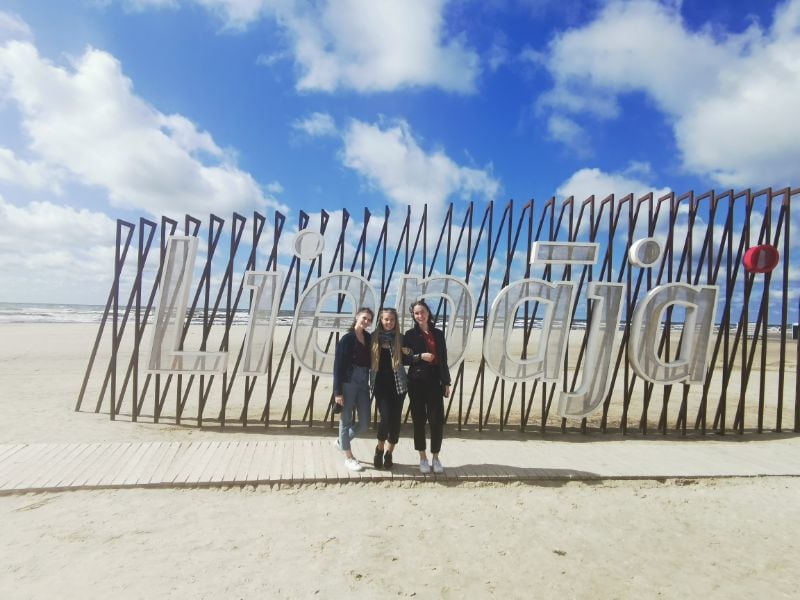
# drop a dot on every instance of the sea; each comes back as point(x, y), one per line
point(13, 312)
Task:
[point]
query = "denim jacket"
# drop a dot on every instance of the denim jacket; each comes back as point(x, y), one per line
point(343, 361)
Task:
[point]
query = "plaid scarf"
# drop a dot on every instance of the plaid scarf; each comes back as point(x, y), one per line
point(387, 341)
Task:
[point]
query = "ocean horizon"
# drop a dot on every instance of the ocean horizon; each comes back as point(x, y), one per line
point(37, 312)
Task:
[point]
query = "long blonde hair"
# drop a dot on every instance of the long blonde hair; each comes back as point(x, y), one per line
point(397, 341)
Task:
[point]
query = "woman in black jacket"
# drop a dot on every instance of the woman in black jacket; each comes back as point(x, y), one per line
point(428, 383)
point(351, 383)
point(388, 384)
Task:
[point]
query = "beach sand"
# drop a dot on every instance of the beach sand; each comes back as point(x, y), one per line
point(715, 538)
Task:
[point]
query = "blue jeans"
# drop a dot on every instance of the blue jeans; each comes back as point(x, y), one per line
point(356, 398)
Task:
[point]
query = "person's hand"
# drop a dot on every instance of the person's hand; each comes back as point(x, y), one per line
point(339, 400)
point(427, 357)
point(446, 392)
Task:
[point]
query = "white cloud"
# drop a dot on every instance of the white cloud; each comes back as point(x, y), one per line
point(13, 27)
point(361, 44)
point(731, 98)
point(569, 133)
point(391, 160)
point(238, 14)
point(379, 46)
point(585, 182)
point(87, 120)
point(316, 125)
point(54, 253)
point(30, 175)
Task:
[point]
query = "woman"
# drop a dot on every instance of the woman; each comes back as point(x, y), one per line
point(351, 383)
point(388, 384)
point(428, 383)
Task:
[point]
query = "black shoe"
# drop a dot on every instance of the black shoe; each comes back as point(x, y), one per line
point(387, 460)
point(378, 461)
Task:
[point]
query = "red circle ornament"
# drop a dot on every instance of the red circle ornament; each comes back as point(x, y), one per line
point(761, 259)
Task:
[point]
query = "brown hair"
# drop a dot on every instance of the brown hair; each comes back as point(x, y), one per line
point(363, 309)
point(424, 304)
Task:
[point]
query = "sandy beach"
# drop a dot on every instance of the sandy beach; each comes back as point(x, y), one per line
point(718, 538)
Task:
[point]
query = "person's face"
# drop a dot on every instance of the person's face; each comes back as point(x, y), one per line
point(388, 321)
point(420, 314)
point(363, 320)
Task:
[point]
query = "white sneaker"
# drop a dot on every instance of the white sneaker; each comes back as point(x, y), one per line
point(424, 467)
point(437, 466)
point(352, 464)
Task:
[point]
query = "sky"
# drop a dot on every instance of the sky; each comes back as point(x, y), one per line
point(127, 108)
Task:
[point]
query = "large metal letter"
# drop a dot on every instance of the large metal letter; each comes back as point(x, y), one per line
point(313, 317)
point(558, 299)
point(602, 342)
point(166, 355)
point(700, 303)
point(458, 326)
point(266, 286)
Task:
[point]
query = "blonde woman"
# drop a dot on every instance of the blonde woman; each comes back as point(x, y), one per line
point(388, 384)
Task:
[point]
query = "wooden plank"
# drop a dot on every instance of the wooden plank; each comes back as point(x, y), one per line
point(10, 467)
point(262, 463)
point(240, 450)
point(158, 475)
point(241, 475)
point(276, 468)
point(178, 463)
point(7, 450)
point(227, 451)
point(132, 459)
point(313, 470)
point(155, 462)
point(288, 459)
point(29, 463)
point(214, 466)
point(91, 463)
point(195, 461)
point(144, 466)
point(209, 463)
point(104, 472)
point(333, 460)
point(65, 463)
point(320, 448)
point(122, 464)
point(205, 453)
point(69, 475)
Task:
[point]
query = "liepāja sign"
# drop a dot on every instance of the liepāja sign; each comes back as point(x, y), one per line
point(320, 312)
point(554, 310)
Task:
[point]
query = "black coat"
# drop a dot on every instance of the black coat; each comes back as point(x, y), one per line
point(414, 341)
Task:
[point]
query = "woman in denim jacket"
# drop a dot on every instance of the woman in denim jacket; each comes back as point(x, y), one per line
point(351, 383)
point(388, 379)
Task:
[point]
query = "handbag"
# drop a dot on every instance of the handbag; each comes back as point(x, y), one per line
point(418, 371)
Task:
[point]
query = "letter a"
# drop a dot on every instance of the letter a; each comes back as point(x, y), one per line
point(701, 304)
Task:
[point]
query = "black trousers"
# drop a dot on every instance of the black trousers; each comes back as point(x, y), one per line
point(427, 406)
point(390, 409)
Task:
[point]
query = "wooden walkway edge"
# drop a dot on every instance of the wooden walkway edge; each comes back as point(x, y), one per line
point(40, 467)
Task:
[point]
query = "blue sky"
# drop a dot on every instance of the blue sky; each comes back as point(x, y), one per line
point(120, 109)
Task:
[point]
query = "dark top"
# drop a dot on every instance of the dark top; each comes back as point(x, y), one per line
point(415, 341)
point(346, 351)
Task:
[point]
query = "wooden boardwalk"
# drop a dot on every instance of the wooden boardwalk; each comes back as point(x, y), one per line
point(51, 467)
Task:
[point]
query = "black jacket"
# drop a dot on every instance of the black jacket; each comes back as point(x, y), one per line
point(414, 341)
point(343, 361)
